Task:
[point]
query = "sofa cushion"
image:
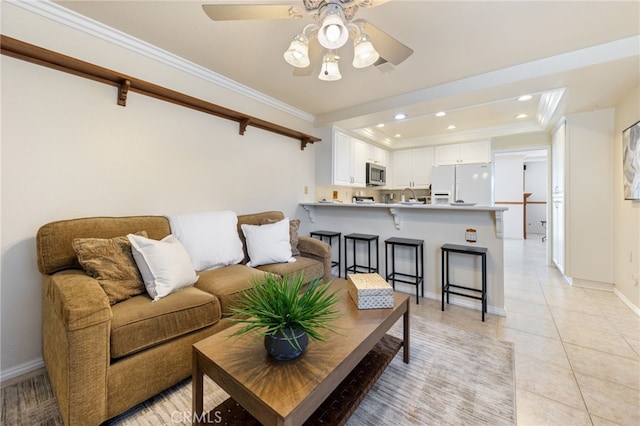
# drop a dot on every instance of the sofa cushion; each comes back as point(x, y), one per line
point(110, 262)
point(210, 238)
point(165, 265)
point(139, 322)
point(310, 268)
point(294, 226)
point(268, 243)
point(53, 241)
point(256, 219)
point(228, 283)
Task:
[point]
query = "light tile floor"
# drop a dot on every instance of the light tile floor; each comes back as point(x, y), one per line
point(577, 351)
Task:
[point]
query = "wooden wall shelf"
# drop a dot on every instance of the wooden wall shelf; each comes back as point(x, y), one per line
point(125, 84)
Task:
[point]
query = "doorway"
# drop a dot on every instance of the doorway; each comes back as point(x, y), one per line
point(521, 184)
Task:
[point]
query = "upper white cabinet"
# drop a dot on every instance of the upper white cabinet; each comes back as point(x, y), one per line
point(463, 153)
point(341, 160)
point(412, 167)
point(377, 155)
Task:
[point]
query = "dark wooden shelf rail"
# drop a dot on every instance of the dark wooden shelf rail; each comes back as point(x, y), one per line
point(37, 55)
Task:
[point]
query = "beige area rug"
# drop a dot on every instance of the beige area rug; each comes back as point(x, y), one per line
point(454, 378)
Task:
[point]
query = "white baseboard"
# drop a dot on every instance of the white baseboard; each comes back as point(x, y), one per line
point(627, 302)
point(595, 285)
point(20, 370)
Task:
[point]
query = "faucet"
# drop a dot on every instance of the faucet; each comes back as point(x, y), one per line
point(412, 192)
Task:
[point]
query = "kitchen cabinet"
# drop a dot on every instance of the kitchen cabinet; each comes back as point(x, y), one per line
point(463, 153)
point(412, 168)
point(341, 159)
point(557, 197)
point(558, 233)
point(377, 155)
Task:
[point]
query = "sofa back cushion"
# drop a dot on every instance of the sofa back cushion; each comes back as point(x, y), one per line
point(54, 240)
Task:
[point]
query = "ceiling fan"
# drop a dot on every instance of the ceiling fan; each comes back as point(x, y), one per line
point(333, 25)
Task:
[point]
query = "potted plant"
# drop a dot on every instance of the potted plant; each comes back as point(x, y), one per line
point(285, 314)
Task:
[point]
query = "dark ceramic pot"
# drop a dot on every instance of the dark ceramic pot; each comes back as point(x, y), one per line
point(282, 349)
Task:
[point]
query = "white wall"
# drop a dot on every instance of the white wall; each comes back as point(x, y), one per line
point(68, 150)
point(626, 213)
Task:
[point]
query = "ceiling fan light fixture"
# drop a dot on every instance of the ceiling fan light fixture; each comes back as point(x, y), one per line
point(298, 52)
point(330, 70)
point(364, 54)
point(333, 33)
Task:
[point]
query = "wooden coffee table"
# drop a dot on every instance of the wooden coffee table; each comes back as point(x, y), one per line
point(289, 392)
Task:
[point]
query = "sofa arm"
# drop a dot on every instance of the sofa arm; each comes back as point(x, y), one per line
point(316, 249)
point(76, 325)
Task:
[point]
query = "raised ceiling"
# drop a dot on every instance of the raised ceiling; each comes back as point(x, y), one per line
point(471, 59)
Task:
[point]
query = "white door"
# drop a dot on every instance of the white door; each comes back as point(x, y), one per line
point(342, 160)
point(402, 168)
point(443, 179)
point(358, 162)
point(422, 165)
point(473, 183)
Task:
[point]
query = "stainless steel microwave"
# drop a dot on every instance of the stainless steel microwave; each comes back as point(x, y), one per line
point(376, 174)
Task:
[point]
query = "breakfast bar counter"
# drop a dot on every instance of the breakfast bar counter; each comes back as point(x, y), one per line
point(436, 225)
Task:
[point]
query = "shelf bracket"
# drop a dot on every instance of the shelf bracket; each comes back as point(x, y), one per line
point(396, 217)
point(499, 224)
point(244, 122)
point(304, 141)
point(311, 211)
point(123, 90)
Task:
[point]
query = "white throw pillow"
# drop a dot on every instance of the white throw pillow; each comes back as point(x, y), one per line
point(268, 243)
point(210, 238)
point(165, 265)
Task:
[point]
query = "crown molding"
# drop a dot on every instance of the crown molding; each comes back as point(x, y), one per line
point(59, 14)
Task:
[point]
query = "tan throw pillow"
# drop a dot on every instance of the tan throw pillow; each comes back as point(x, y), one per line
point(294, 225)
point(111, 262)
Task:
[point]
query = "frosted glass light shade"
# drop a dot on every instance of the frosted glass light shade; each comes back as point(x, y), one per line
point(330, 70)
point(333, 33)
point(364, 54)
point(298, 52)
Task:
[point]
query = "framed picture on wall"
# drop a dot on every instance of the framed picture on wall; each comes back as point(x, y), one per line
point(631, 162)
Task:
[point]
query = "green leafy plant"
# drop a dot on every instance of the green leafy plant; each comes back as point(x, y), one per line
point(276, 304)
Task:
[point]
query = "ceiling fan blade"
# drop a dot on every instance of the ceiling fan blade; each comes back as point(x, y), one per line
point(236, 12)
point(388, 47)
point(315, 57)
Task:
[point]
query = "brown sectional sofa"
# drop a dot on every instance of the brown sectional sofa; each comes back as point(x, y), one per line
point(103, 359)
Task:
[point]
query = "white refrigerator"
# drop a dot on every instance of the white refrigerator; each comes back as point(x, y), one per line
point(471, 183)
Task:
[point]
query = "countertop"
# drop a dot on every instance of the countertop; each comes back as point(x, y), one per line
point(417, 206)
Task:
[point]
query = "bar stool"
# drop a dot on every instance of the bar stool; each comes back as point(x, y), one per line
point(355, 268)
point(447, 286)
point(330, 235)
point(417, 278)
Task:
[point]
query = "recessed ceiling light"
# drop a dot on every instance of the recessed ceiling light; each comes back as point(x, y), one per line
point(397, 135)
point(380, 125)
point(400, 116)
point(451, 127)
point(525, 98)
point(521, 116)
point(441, 114)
